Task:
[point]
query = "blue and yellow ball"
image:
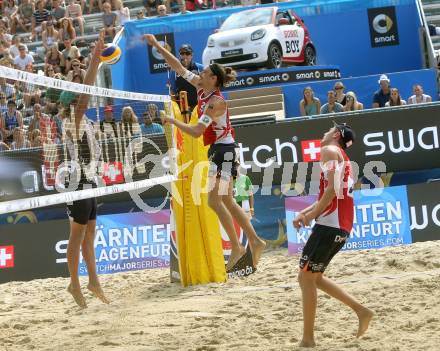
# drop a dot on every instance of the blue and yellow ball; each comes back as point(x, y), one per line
point(111, 54)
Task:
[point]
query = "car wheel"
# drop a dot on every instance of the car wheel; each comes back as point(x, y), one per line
point(274, 56)
point(309, 56)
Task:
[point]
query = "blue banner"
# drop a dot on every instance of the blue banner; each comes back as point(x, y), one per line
point(131, 241)
point(381, 219)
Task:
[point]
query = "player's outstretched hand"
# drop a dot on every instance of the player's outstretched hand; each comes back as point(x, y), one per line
point(151, 39)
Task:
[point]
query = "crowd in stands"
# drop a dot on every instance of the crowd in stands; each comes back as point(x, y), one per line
point(340, 101)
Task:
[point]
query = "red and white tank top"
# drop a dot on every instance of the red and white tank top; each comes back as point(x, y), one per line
point(219, 131)
point(339, 213)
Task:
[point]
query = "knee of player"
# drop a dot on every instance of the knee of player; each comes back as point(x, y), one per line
point(306, 277)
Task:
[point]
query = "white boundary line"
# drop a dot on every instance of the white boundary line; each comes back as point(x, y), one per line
point(59, 198)
point(14, 74)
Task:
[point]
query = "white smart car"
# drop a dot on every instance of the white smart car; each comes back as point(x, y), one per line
point(265, 36)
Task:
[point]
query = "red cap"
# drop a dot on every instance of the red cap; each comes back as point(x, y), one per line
point(108, 108)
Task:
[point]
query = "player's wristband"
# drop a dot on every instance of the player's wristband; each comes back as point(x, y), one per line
point(188, 75)
point(205, 120)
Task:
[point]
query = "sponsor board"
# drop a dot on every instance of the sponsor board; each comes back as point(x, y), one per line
point(126, 242)
point(279, 77)
point(157, 62)
point(383, 26)
point(381, 218)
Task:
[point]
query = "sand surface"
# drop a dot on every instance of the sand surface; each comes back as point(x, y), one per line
point(261, 312)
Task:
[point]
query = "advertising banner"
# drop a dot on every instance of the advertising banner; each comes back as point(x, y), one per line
point(425, 211)
point(375, 33)
point(381, 218)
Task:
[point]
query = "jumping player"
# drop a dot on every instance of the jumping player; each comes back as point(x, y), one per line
point(217, 132)
point(333, 213)
point(82, 213)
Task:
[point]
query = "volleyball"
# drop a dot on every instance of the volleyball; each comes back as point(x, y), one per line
point(111, 54)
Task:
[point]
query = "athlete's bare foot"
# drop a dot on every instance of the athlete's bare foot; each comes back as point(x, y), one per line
point(77, 296)
point(257, 249)
point(236, 254)
point(97, 291)
point(304, 343)
point(364, 321)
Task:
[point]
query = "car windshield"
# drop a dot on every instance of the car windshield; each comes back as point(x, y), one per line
point(248, 19)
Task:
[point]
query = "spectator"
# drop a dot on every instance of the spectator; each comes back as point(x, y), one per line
point(19, 140)
point(309, 105)
point(140, 15)
point(340, 95)
point(16, 42)
point(193, 5)
point(70, 52)
point(149, 127)
point(109, 20)
point(3, 105)
point(419, 97)
point(9, 10)
point(108, 126)
point(58, 12)
point(49, 71)
point(433, 30)
point(179, 84)
point(182, 9)
point(23, 17)
point(244, 192)
point(395, 99)
point(129, 126)
point(23, 59)
point(66, 30)
point(30, 93)
point(382, 96)
point(55, 58)
point(89, 56)
point(122, 13)
point(154, 113)
point(331, 106)
point(162, 11)
point(74, 12)
point(151, 6)
point(49, 37)
point(92, 5)
point(77, 74)
point(37, 117)
point(7, 89)
point(10, 120)
point(352, 104)
point(40, 16)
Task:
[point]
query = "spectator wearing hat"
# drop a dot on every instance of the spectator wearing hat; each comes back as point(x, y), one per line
point(23, 59)
point(340, 95)
point(10, 120)
point(419, 97)
point(331, 106)
point(108, 125)
point(40, 16)
point(150, 127)
point(382, 96)
point(179, 84)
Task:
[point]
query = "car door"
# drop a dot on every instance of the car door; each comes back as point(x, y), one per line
point(290, 35)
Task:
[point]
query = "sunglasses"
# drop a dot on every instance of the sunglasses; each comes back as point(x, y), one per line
point(339, 88)
point(75, 65)
point(185, 53)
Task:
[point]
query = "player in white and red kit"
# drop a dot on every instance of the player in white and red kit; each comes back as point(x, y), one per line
point(333, 213)
point(215, 126)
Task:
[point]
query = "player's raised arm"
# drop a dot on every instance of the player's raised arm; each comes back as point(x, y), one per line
point(89, 79)
point(172, 61)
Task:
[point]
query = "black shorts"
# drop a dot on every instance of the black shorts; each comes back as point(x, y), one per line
point(223, 160)
point(82, 211)
point(323, 244)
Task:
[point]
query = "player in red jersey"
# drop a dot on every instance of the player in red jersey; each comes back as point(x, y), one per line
point(215, 126)
point(333, 213)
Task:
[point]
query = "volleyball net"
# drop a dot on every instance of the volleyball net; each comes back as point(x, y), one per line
point(58, 137)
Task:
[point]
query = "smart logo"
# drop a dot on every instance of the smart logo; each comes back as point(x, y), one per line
point(383, 26)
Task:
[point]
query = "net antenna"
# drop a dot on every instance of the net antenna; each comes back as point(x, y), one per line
point(129, 153)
